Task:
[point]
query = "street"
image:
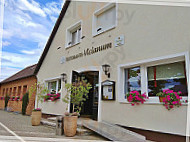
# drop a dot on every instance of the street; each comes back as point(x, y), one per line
point(17, 128)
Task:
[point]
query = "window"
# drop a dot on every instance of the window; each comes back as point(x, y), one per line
point(153, 76)
point(14, 91)
point(74, 34)
point(19, 91)
point(3, 91)
point(54, 86)
point(7, 93)
point(104, 19)
point(10, 92)
point(24, 89)
point(132, 79)
point(168, 76)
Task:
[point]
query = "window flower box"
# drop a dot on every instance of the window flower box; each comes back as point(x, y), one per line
point(134, 97)
point(2, 98)
point(52, 97)
point(17, 98)
point(12, 98)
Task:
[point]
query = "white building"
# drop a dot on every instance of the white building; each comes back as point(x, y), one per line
point(147, 46)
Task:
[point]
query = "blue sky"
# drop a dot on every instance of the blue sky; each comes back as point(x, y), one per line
point(26, 27)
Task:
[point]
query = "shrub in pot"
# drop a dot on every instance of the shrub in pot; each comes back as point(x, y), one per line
point(25, 100)
point(77, 93)
point(7, 97)
point(40, 90)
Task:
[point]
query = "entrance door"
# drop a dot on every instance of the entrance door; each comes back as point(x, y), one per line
point(90, 106)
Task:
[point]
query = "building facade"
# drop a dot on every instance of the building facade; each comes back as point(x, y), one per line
point(147, 48)
point(16, 86)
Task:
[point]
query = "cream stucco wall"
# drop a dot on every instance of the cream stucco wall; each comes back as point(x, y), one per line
point(150, 32)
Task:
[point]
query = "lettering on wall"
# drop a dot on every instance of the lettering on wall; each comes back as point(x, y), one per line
point(90, 51)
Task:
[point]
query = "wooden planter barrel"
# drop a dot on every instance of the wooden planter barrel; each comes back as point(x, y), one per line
point(70, 125)
point(36, 118)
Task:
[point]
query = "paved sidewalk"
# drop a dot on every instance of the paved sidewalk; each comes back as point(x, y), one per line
point(21, 126)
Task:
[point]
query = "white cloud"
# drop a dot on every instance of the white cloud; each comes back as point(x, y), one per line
point(35, 52)
point(18, 60)
point(32, 6)
point(6, 43)
point(7, 34)
point(7, 72)
point(26, 21)
point(52, 8)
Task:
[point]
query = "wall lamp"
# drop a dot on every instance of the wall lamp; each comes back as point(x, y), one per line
point(106, 69)
point(64, 77)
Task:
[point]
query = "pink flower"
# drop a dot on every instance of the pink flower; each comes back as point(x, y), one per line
point(171, 106)
point(177, 97)
point(166, 90)
point(168, 97)
point(132, 104)
point(170, 91)
point(164, 99)
point(175, 102)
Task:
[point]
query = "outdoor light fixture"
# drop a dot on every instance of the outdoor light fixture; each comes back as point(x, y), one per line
point(106, 69)
point(64, 77)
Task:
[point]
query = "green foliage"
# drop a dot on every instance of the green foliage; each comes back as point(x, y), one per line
point(25, 101)
point(7, 97)
point(77, 93)
point(40, 90)
point(160, 94)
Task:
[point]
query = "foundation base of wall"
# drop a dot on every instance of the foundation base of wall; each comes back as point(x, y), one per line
point(157, 136)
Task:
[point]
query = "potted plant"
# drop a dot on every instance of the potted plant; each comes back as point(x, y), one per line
point(161, 96)
point(171, 98)
point(77, 93)
point(40, 90)
point(25, 101)
point(134, 97)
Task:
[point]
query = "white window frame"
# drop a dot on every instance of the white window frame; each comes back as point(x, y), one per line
point(100, 11)
point(69, 34)
point(144, 81)
point(57, 82)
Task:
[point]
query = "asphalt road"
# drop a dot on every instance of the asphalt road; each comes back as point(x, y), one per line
point(17, 128)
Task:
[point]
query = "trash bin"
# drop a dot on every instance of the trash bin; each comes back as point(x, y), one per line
point(59, 125)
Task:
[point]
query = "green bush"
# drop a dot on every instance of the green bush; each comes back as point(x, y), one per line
point(6, 101)
point(25, 101)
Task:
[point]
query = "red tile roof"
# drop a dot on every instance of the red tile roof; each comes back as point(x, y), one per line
point(26, 72)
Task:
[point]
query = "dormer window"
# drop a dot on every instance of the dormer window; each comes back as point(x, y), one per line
point(104, 19)
point(73, 35)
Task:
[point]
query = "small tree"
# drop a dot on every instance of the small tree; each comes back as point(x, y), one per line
point(77, 93)
point(7, 97)
point(25, 100)
point(40, 90)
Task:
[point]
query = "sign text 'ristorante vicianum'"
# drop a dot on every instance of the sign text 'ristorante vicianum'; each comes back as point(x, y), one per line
point(90, 51)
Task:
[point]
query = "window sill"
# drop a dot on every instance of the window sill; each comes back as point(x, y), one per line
point(72, 45)
point(150, 103)
point(52, 101)
point(106, 30)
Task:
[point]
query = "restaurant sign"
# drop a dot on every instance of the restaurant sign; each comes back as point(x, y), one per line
point(90, 51)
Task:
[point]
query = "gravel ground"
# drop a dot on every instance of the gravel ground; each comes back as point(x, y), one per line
point(21, 125)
